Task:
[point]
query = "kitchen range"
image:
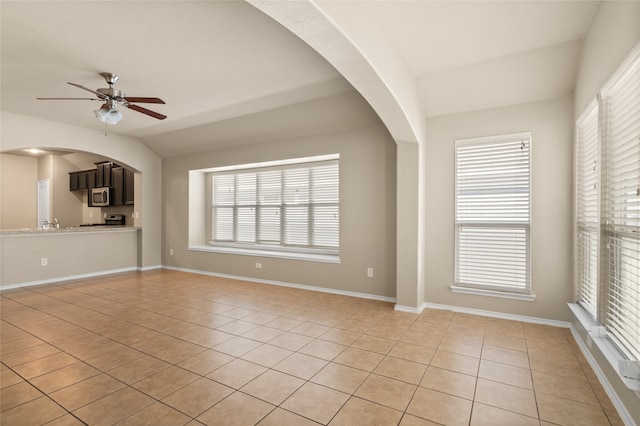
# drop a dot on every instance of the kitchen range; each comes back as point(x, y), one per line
point(110, 220)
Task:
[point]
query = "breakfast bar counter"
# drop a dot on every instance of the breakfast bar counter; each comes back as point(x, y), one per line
point(37, 256)
point(66, 230)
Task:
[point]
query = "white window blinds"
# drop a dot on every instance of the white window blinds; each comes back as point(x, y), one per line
point(281, 206)
point(587, 209)
point(492, 214)
point(620, 106)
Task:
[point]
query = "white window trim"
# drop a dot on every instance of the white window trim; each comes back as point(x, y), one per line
point(493, 293)
point(527, 293)
point(274, 163)
point(627, 371)
point(280, 253)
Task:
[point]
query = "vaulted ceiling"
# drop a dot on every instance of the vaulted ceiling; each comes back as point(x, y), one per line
point(230, 74)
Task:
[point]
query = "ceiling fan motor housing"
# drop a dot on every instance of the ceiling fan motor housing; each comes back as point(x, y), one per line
point(112, 93)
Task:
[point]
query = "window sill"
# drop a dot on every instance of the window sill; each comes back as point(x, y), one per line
point(292, 255)
point(493, 293)
point(627, 371)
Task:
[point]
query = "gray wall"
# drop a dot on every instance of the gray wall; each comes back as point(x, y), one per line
point(367, 213)
point(551, 202)
point(614, 31)
point(18, 194)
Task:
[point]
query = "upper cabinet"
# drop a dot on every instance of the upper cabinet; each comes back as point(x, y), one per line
point(73, 181)
point(84, 179)
point(119, 178)
point(103, 174)
point(128, 187)
point(122, 184)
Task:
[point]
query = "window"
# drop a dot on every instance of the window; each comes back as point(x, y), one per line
point(290, 207)
point(608, 212)
point(492, 213)
point(620, 229)
point(587, 209)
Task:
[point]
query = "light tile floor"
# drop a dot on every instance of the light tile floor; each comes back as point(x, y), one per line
point(167, 347)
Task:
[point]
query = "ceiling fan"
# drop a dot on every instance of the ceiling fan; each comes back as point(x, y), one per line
point(108, 112)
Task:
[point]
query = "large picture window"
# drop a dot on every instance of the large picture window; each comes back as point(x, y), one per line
point(492, 212)
point(293, 207)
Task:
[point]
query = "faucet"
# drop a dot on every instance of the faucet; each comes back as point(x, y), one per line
point(48, 225)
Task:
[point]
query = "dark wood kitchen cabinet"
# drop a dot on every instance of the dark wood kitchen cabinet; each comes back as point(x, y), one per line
point(91, 179)
point(91, 183)
point(117, 185)
point(103, 174)
point(122, 184)
point(79, 181)
point(73, 181)
point(128, 187)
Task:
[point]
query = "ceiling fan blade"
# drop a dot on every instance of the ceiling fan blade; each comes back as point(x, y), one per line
point(68, 99)
point(146, 111)
point(100, 95)
point(144, 100)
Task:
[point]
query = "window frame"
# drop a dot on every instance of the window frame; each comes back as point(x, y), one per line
point(500, 290)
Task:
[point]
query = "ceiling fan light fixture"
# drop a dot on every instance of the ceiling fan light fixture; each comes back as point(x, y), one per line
point(108, 114)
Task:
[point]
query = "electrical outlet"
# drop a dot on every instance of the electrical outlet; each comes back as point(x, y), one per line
point(370, 272)
point(43, 261)
point(258, 265)
point(170, 252)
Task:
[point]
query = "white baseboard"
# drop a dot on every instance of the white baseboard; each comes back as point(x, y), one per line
point(409, 309)
point(615, 400)
point(290, 285)
point(150, 268)
point(69, 278)
point(500, 315)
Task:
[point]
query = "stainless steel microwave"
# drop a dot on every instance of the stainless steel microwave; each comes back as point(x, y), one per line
point(101, 197)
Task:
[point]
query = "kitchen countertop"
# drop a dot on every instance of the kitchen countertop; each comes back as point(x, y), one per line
point(67, 230)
